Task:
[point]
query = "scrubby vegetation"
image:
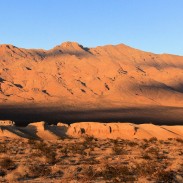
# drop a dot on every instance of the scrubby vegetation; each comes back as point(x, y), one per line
point(91, 160)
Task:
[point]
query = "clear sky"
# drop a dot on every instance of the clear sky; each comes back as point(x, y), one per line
point(150, 25)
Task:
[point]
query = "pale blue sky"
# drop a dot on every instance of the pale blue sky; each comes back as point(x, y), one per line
point(150, 25)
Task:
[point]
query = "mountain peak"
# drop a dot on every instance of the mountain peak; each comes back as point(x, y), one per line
point(71, 45)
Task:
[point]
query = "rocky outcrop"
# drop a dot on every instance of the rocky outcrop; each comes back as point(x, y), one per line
point(40, 130)
point(124, 130)
point(6, 123)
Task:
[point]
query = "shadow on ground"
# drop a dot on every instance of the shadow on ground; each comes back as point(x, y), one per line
point(157, 115)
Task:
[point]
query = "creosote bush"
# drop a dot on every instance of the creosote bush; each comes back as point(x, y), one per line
point(119, 150)
point(179, 140)
point(7, 164)
point(153, 140)
point(44, 150)
point(165, 176)
point(118, 173)
point(39, 171)
point(3, 148)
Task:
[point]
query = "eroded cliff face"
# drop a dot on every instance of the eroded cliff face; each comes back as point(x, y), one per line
point(124, 130)
point(40, 130)
point(105, 76)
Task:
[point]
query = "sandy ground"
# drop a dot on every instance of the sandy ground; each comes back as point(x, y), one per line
point(91, 152)
point(90, 159)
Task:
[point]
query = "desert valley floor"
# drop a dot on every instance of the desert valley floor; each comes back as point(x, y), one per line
point(89, 159)
point(91, 152)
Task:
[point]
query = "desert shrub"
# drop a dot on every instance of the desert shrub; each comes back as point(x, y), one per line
point(165, 176)
point(145, 169)
point(170, 139)
point(179, 140)
point(144, 146)
point(92, 174)
point(90, 138)
point(39, 171)
point(119, 150)
point(44, 150)
point(74, 149)
point(153, 139)
point(90, 161)
point(118, 173)
point(89, 174)
point(114, 141)
point(33, 142)
point(181, 169)
point(124, 142)
point(51, 157)
point(3, 148)
point(58, 173)
point(79, 148)
point(153, 151)
point(167, 142)
point(7, 164)
point(146, 156)
point(131, 143)
point(64, 150)
point(89, 141)
point(165, 152)
point(110, 172)
point(145, 140)
point(161, 141)
point(2, 173)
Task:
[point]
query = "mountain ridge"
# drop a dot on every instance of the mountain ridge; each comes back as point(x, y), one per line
point(105, 76)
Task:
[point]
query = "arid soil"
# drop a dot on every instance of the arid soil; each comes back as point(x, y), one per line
point(91, 152)
point(89, 159)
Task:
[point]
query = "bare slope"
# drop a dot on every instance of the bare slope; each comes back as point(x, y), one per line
point(71, 76)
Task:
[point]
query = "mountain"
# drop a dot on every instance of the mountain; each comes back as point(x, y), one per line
point(71, 76)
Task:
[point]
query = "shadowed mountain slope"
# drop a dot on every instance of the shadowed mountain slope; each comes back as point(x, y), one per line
point(73, 77)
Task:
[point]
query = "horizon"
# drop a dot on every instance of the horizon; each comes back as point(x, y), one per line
point(96, 47)
point(151, 26)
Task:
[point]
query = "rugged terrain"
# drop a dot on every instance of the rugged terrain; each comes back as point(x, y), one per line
point(114, 87)
point(106, 79)
point(91, 152)
point(130, 131)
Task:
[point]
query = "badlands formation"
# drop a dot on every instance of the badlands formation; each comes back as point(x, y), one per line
point(109, 83)
point(130, 131)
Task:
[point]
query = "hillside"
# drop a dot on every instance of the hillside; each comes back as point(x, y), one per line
point(70, 76)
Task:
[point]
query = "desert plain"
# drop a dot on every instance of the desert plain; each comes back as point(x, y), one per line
point(77, 114)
